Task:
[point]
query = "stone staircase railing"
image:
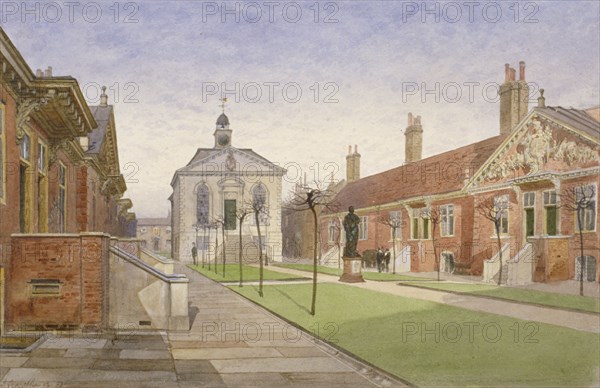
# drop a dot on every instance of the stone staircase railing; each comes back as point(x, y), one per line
point(491, 267)
point(402, 260)
point(142, 295)
point(521, 267)
point(331, 257)
point(157, 261)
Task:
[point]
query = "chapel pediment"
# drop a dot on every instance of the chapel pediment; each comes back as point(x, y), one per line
point(230, 160)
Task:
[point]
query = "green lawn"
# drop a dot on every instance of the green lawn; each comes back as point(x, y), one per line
point(576, 302)
point(390, 332)
point(232, 273)
point(383, 276)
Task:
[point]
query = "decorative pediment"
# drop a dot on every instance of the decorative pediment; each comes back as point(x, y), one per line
point(542, 143)
point(232, 160)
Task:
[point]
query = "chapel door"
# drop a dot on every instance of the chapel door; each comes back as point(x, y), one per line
point(230, 212)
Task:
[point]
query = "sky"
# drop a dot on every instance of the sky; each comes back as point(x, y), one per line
point(304, 79)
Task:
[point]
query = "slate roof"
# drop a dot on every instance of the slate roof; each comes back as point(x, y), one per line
point(438, 174)
point(576, 118)
point(164, 221)
point(102, 116)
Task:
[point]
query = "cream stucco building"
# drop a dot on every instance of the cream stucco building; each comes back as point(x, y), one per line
point(216, 184)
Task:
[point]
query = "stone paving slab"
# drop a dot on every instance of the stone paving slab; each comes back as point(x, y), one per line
point(46, 352)
point(300, 364)
point(194, 366)
point(54, 362)
point(139, 365)
point(8, 361)
point(73, 343)
point(198, 344)
point(145, 354)
point(93, 353)
point(255, 380)
point(300, 351)
point(224, 353)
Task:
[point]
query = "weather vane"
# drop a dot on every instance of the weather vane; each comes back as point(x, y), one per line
point(223, 102)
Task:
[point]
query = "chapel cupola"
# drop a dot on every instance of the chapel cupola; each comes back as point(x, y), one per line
point(222, 132)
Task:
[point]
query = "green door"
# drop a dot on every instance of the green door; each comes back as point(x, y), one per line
point(551, 221)
point(230, 210)
point(529, 222)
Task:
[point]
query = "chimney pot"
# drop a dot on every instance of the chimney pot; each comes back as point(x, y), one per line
point(522, 71)
point(513, 74)
point(349, 150)
point(355, 149)
point(39, 73)
point(49, 71)
point(410, 119)
point(417, 120)
point(506, 72)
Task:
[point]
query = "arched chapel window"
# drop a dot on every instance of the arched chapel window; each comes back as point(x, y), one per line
point(202, 205)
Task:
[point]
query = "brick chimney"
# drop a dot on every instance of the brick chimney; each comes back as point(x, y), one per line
point(413, 142)
point(514, 98)
point(352, 164)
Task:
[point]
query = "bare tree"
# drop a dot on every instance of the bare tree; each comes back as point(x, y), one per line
point(215, 225)
point(259, 208)
point(313, 199)
point(241, 213)
point(494, 209)
point(434, 214)
point(578, 200)
point(220, 221)
point(208, 226)
point(394, 223)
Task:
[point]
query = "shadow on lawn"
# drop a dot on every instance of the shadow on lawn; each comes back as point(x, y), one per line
point(291, 299)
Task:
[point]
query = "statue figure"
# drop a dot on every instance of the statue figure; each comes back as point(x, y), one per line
point(351, 223)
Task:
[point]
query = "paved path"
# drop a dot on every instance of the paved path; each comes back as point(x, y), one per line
point(240, 344)
point(570, 319)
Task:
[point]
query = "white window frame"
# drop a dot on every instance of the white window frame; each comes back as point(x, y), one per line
point(506, 224)
point(363, 228)
point(589, 212)
point(447, 220)
point(396, 215)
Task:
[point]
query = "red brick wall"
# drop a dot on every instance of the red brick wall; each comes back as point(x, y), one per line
point(79, 262)
point(81, 204)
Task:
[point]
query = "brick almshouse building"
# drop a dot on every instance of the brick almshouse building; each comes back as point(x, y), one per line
point(60, 198)
point(538, 156)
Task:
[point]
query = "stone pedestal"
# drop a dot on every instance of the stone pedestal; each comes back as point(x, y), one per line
point(352, 270)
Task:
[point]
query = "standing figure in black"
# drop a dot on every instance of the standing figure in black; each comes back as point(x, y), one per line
point(379, 259)
point(387, 258)
point(195, 253)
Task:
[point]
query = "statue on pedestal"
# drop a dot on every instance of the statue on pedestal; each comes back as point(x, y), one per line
point(351, 224)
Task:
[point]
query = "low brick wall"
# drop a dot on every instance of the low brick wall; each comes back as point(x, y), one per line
point(57, 280)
